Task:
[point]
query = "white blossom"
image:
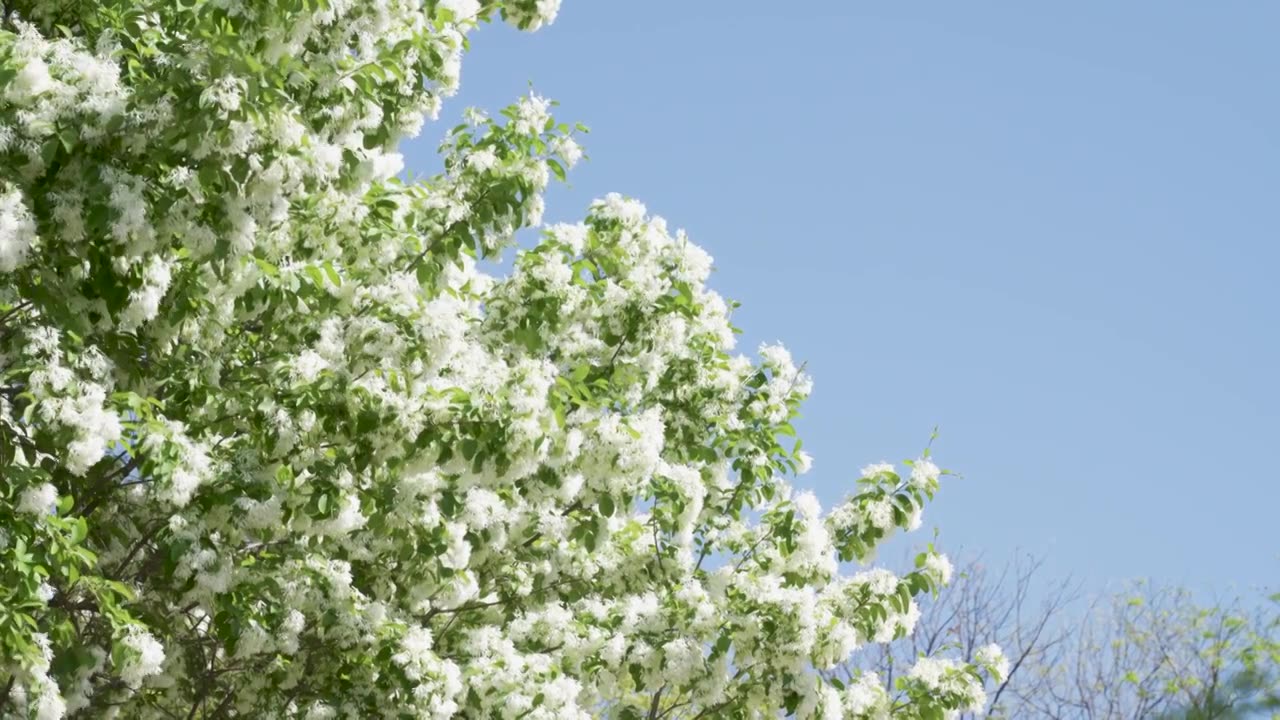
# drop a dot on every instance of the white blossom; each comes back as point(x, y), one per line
point(482, 160)
point(991, 656)
point(567, 149)
point(804, 462)
point(45, 592)
point(38, 499)
point(940, 566)
point(145, 660)
point(461, 9)
point(17, 231)
point(924, 473)
point(876, 469)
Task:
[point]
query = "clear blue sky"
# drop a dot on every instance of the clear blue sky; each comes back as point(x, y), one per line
point(1050, 229)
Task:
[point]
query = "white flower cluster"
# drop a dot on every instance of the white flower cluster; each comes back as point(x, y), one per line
point(993, 658)
point(38, 499)
point(17, 231)
point(70, 393)
point(314, 463)
point(38, 693)
point(949, 680)
point(145, 657)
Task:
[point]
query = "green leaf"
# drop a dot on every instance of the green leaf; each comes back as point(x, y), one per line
point(268, 268)
point(79, 531)
point(316, 274)
point(334, 277)
point(49, 151)
point(68, 138)
point(120, 589)
point(557, 169)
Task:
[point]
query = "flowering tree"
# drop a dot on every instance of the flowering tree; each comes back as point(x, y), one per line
point(272, 446)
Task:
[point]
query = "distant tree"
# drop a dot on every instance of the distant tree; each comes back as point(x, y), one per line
point(1146, 652)
point(1153, 651)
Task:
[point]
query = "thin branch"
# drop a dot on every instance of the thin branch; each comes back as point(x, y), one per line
point(656, 704)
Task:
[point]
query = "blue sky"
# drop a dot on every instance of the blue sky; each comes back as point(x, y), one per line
point(1050, 230)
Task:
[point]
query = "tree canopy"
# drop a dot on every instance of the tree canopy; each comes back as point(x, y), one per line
point(274, 445)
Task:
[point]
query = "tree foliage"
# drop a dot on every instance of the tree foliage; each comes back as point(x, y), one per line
point(273, 446)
